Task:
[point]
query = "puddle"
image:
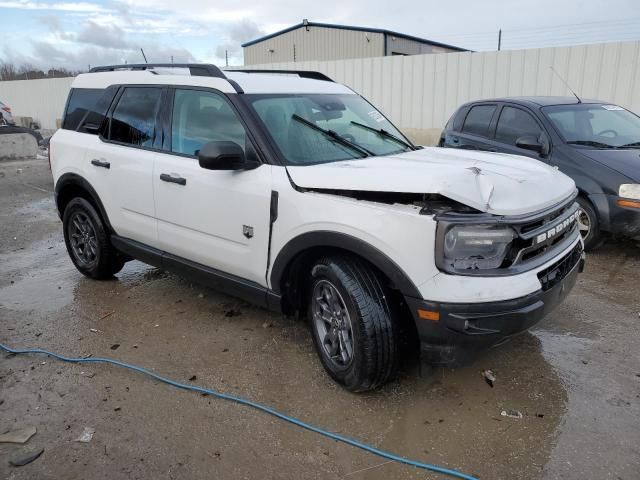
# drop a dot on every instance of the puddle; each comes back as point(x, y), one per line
point(47, 288)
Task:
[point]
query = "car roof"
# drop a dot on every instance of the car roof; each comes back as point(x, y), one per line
point(539, 101)
point(249, 82)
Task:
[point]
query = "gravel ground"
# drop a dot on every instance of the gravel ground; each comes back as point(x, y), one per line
point(575, 377)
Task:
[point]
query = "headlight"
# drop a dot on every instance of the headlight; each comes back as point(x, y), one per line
point(476, 247)
point(630, 190)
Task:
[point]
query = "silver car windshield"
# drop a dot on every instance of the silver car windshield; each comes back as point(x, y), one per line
point(319, 128)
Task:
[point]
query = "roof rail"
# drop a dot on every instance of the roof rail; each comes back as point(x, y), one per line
point(301, 73)
point(195, 69)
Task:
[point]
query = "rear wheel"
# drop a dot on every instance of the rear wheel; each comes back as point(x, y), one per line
point(589, 225)
point(87, 241)
point(352, 323)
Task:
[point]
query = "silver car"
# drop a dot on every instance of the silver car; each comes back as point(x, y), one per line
point(5, 115)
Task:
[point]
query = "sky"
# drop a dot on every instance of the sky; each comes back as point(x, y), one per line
point(77, 33)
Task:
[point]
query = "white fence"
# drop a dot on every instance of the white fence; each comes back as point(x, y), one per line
point(420, 92)
point(43, 99)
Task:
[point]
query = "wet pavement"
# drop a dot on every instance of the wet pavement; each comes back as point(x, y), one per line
point(575, 377)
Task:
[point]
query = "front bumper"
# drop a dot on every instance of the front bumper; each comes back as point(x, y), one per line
point(464, 329)
point(618, 220)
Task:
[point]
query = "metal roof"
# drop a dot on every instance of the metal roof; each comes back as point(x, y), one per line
point(357, 29)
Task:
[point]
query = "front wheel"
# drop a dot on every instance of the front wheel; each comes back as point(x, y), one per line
point(352, 323)
point(87, 241)
point(589, 225)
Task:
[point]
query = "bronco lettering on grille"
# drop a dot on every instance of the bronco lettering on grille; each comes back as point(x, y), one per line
point(557, 229)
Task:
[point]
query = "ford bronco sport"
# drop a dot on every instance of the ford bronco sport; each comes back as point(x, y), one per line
point(293, 192)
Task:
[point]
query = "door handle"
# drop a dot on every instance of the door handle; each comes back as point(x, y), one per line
point(100, 163)
point(165, 177)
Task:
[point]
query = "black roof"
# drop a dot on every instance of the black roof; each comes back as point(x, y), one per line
point(541, 101)
point(358, 29)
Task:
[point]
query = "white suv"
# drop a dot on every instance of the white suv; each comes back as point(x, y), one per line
point(295, 193)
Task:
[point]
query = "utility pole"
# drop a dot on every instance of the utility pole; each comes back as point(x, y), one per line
point(226, 57)
point(294, 52)
point(171, 59)
point(499, 39)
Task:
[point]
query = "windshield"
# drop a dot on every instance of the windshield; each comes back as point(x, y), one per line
point(596, 125)
point(319, 128)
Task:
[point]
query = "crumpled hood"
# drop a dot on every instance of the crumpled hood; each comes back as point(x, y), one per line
point(626, 162)
point(496, 183)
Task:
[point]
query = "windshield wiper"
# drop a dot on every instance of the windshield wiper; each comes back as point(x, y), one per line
point(333, 136)
point(591, 143)
point(630, 145)
point(383, 133)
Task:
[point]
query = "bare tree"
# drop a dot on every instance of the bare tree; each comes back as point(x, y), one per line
point(27, 71)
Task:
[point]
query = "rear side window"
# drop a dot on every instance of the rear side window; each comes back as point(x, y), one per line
point(134, 119)
point(81, 102)
point(478, 120)
point(515, 123)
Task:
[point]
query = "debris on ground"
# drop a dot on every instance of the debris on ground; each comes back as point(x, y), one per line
point(21, 435)
point(489, 377)
point(511, 414)
point(115, 346)
point(94, 330)
point(87, 374)
point(232, 313)
point(86, 435)
point(26, 459)
point(192, 378)
point(267, 325)
point(106, 315)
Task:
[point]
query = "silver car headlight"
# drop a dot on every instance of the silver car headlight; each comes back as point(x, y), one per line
point(476, 247)
point(629, 190)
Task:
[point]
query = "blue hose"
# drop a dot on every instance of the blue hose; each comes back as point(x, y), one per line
point(257, 406)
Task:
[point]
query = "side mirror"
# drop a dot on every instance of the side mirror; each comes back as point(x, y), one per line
point(529, 142)
point(224, 155)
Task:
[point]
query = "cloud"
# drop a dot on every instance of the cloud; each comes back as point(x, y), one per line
point(234, 35)
point(65, 7)
point(104, 36)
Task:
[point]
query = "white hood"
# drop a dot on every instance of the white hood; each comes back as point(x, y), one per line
point(490, 182)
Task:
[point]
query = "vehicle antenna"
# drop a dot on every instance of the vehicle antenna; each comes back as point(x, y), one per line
point(566, 84)
point(145, 57)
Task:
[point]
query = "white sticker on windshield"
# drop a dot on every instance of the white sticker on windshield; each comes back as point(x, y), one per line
point(375, 115)
point(612, 107)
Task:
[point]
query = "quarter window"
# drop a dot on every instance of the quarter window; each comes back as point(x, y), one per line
point(200, 117)
point(82, 101)
point(134, 118)
point(478, 120)
point(515, 123)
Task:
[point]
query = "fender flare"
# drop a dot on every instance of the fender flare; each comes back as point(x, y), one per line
point(399, 279)
point(73, 179)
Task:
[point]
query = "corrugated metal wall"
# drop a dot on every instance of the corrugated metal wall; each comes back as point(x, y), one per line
point(406, 46)
point(44, 99)
point(420, 92)
point(318, 43)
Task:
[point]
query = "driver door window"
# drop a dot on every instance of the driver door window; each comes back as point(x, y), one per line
point(515, 123)
point(200, 117)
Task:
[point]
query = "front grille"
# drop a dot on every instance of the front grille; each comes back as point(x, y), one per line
point(555, 273)
point(528, 247)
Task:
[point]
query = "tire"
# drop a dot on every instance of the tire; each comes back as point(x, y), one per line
point(589, 225)
point(366, 319)
point(87, 241)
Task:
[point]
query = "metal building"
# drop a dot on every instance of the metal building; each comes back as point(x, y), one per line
point(323, 41)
